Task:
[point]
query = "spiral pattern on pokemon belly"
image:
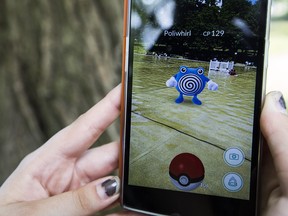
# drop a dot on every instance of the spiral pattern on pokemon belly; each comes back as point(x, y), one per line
point(190, 84)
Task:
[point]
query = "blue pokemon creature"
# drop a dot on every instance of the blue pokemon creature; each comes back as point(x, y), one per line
point(190, 82)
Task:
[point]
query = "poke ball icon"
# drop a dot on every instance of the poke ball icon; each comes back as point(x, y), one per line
point(186, 171)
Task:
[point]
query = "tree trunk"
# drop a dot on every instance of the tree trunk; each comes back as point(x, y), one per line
point(58, 58)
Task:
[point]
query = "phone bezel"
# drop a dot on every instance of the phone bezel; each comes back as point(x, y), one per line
point(165, 202)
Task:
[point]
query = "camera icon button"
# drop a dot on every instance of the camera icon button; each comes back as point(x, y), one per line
point(234, 157)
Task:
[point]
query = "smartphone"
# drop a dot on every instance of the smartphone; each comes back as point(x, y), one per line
point(193, 84)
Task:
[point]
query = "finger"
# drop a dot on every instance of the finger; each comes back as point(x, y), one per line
point(274, 126)
point(81, 134)
point(269, 179)
point(86, 200)
point(98, 162)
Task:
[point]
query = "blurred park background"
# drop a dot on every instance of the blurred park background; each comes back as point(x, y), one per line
point(58, 58)
point(277, 76)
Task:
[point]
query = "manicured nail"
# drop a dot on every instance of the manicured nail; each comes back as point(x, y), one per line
point(109, 188)
point(277, 102)
point(282, 102)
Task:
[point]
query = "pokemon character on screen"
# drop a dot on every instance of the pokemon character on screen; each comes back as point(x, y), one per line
point(190, 82)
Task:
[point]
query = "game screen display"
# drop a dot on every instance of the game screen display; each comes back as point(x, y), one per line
point(194, 66)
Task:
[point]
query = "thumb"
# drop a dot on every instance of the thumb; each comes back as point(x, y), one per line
point(274, 121)
point(274, 126)
point(86, 200)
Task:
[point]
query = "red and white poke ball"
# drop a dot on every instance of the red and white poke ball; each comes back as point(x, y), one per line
point(186, 171)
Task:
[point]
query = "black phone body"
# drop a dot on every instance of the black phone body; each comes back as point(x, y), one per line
point(193, 84)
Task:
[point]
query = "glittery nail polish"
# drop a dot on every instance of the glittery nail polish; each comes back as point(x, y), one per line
point(282, 102)
point(110, 186)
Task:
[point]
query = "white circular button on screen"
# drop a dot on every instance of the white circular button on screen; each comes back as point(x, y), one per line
point(184, 180)
point(233, 182)
point(234, 157)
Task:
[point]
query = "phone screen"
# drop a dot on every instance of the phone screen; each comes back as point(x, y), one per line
point(195, 71)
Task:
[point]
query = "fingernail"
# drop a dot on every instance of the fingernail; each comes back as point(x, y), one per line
point(278, 101)
point(109, 188)
point(282, 102)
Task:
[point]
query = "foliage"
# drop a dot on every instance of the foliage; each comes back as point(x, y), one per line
point(237, 18)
